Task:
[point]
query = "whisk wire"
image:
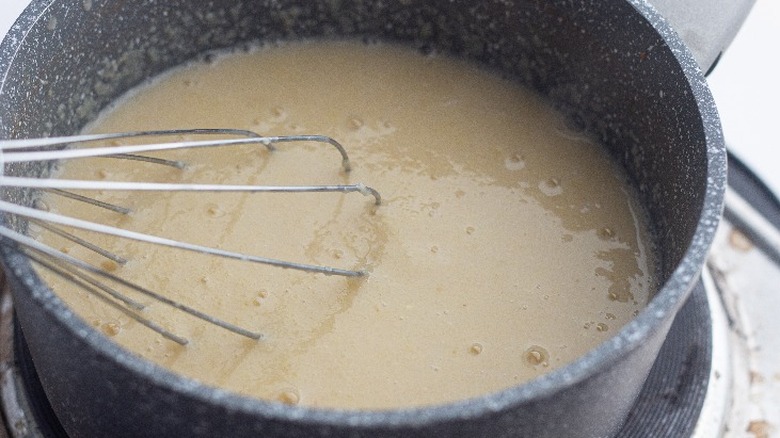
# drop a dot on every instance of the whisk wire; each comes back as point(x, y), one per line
point(248, 137)
point(149, 238)
point(14, 181)
point(80, 281)
point(75, 270)
point(86, 199)
point(33, 244)
point(79, 241)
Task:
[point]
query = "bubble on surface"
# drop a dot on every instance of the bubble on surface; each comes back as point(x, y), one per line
point(111, 328)
point(289, 396)
point(551, 187)
point(515, 162)
point(536, 355)
point(214, 210)
point(606, 233)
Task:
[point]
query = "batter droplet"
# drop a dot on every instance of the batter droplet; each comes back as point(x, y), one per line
point(740, 241)
point(475, 348)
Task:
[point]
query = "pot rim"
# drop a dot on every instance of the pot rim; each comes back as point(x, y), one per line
point(666, 302)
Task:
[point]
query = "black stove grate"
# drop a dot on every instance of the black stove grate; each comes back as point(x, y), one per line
point(673, 395)
point(39, 408)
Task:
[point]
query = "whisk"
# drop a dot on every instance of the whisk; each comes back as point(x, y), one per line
point(96, 280)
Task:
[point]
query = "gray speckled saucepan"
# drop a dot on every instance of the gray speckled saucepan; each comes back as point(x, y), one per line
point(614, 67)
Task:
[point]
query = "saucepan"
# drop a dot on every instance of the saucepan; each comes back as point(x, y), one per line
point(615, 68)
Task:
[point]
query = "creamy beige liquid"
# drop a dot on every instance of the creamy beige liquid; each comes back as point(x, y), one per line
point(506, 246)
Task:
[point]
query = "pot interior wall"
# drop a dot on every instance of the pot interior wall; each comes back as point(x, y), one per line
point(601, 68)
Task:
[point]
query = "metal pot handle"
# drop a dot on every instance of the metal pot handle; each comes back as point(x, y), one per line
point(706, 26)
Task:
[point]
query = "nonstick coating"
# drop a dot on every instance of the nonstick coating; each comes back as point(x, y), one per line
point(614, 67)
